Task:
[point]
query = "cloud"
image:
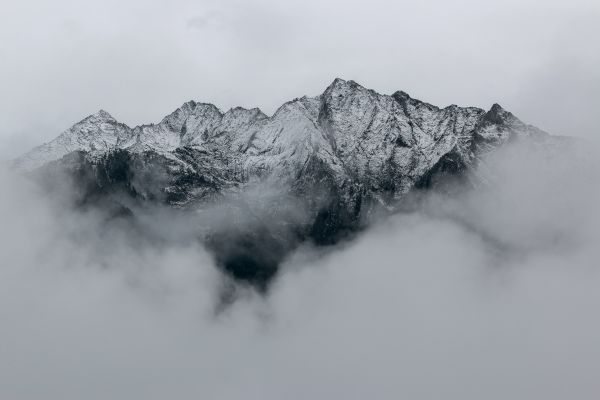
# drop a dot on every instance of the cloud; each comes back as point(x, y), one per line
point(198, 22)
point(491, 294)
point(203, 21)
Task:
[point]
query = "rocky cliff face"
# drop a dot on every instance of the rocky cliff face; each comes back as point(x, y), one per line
point(311, 171)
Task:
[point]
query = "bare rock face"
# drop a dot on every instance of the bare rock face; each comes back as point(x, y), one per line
point(311, 171)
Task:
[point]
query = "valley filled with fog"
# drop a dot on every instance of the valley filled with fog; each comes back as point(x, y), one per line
point(489, 292)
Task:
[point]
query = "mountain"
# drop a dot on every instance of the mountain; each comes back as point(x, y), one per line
point(313, 171)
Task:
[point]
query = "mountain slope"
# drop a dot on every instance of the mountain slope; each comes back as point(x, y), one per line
point(314, 170)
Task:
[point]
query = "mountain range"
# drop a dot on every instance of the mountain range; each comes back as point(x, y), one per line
point(314, 171)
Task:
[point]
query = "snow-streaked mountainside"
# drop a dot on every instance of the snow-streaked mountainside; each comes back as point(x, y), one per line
point(311, 171)
point(354, 130)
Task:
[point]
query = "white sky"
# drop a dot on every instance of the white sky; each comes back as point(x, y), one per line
point(63, 60)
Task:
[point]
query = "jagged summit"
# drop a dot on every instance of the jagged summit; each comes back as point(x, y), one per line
point(102, 114)
point(497, 113)
point(496, 108)
point(340, 84)
point(401, 95)
point(239, 109)
point(98, 117)
point(348, 126)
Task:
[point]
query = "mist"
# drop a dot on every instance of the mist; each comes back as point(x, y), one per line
point(490, 293)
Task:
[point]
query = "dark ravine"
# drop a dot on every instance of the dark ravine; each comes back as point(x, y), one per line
point(255, 187)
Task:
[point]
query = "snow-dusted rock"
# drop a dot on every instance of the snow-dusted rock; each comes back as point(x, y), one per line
point(96, 134)
point(359, 138)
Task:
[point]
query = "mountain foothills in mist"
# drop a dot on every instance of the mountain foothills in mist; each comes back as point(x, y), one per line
point(353, 245)
point(253, 187)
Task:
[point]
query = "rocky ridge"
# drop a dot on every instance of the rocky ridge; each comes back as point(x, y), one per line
point(321, 164)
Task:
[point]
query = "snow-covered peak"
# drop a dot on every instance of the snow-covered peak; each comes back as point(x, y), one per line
point(188, 115)
point(101, 115)
point(499, 115)
point(97, 133)
point(342, 88)
point(239, 116)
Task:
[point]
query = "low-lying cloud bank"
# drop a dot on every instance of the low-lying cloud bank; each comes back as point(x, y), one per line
point(492, 294)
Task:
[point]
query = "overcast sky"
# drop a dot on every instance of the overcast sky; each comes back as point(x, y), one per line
point(139, 60)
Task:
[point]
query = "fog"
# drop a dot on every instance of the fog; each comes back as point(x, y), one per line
point(491, 293)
